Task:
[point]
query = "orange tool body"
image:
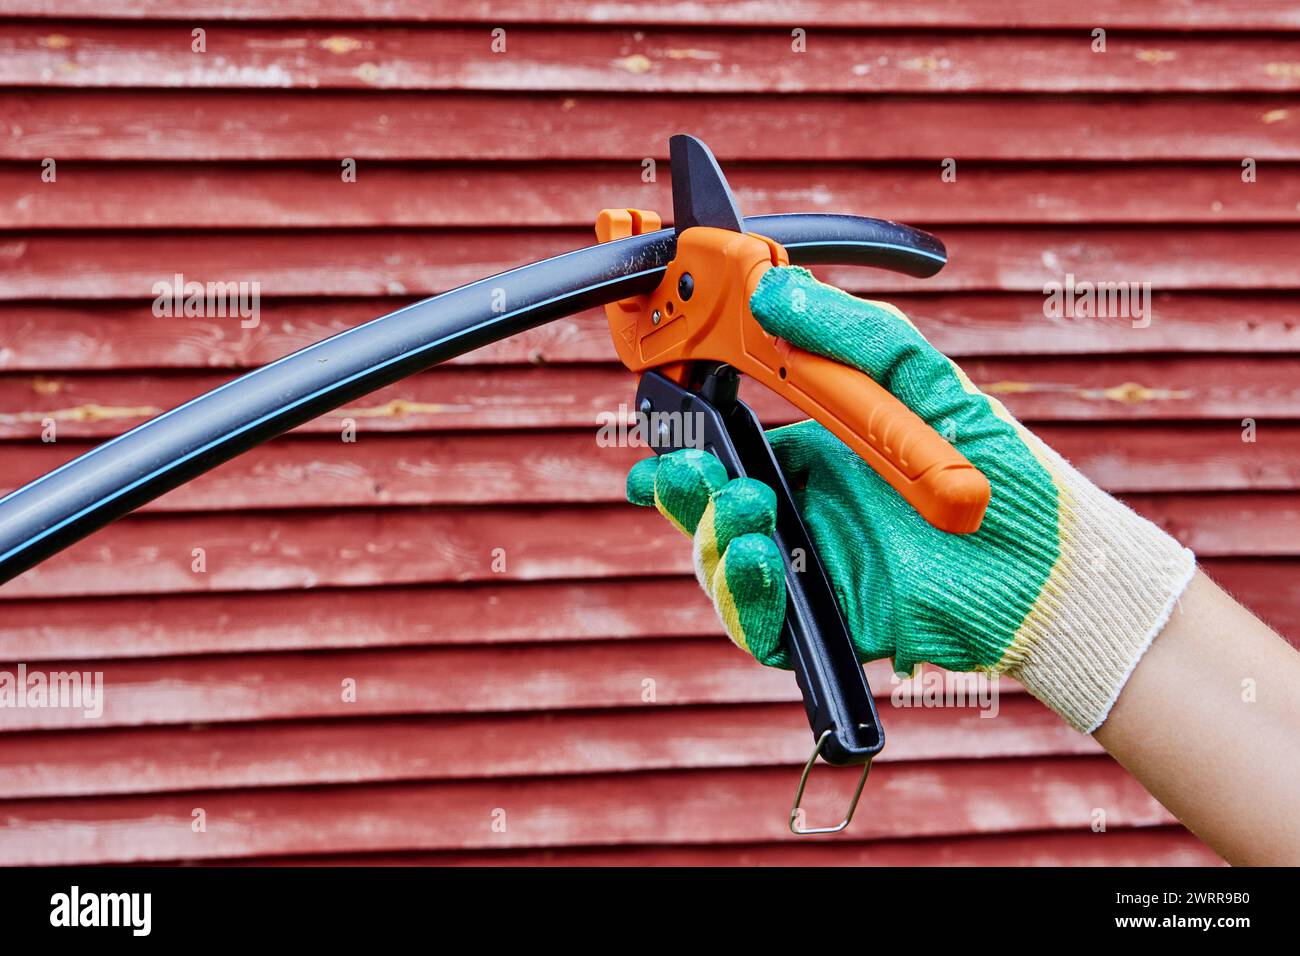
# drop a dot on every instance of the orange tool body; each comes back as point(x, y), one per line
point(706, 317)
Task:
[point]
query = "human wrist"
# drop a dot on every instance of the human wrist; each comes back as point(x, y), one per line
point(1116, 582)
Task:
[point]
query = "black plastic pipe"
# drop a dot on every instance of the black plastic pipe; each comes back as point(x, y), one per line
point(120, 475)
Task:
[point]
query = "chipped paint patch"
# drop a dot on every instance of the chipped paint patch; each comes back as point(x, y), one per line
point(690, 53)
point(1288, 71)
point(47, 386)
point(1128, 393)
point(82, 413)
point(398, 408)
point(637, 64)
point(924, 64)
point(1275, 116)
point(56, 41)
point(1007, 388)
point(367, 72)
point(340, 44)
point(1156, 56)
point(291, 43)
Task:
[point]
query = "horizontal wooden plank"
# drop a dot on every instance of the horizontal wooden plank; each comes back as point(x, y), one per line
point(982, 14)
point(1266, 524)
point(716, 806)
point(411, 263)
point(470, 468)
point(153, 554)
point(1268, 586)
point(60, 764)
point(1149, 846)
point(1140, 388)
point(212, 195)
point(963, 325)
point(444, 680)
point(92, 405)
point(1209, 457)
point(65, 337)
point(328, 618)
point(568, 466)
point(325, 618)
point(71, 54)
point(278, 125)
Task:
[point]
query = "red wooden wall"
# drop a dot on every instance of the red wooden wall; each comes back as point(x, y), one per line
point(523, 690)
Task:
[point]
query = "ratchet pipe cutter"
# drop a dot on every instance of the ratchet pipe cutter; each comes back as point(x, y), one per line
point(677, 301)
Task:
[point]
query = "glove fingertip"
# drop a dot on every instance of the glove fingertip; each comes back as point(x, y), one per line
point(744, 506)
point(749, 591)
point(684, 484)
point(641, 482)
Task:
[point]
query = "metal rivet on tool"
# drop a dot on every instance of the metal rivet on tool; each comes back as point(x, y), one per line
point(646, 406)
point(655, 317)
point(686, 286)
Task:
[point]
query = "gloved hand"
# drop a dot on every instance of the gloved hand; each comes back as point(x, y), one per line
point(1062, 587)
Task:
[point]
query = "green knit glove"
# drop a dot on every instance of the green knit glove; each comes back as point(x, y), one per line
point(731, 525)
point(1062, 587)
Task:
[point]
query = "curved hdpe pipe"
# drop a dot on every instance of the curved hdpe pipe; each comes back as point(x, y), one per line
point(120, 475)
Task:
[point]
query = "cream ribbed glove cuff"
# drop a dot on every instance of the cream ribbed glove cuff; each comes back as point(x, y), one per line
point(1116, 583)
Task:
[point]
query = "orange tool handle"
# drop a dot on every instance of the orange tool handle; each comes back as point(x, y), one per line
point(931, 475)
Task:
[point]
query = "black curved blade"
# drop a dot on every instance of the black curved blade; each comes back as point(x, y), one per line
point(701, 196)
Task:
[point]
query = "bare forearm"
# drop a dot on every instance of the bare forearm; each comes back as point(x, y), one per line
point(1209, 722)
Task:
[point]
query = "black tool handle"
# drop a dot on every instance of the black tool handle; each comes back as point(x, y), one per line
point(835, 691)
